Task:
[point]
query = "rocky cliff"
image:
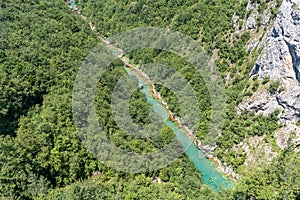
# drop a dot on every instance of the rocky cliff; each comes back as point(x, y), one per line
point(280, 62)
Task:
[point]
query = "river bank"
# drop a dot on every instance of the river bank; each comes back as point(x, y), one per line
point(226, 170)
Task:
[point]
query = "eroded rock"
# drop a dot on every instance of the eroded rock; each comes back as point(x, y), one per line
point(287, 135)
point(280, 60)
point(256, 149)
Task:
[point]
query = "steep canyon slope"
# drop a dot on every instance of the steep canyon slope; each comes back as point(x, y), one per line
point(279, 62)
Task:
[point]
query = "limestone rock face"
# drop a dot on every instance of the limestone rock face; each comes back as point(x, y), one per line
point(282, 139)
point(280, 60)
point(256, 20)
point(281, 55)
point(257, 151)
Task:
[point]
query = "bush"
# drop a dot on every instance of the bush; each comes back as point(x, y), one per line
point(274, 87)
point(255, 86)
point(266, 80)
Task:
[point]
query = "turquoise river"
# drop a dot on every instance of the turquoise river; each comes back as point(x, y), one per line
point(207, 169)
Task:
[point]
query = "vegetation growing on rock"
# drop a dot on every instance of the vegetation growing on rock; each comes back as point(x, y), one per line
point(42, 45)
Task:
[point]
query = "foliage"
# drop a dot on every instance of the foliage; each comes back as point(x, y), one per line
point(279, 180)
point(266, 80)
point(274, 87)
point(180, 182)
point(43, 43)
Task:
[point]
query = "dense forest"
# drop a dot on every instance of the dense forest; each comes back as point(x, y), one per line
point(42, 45)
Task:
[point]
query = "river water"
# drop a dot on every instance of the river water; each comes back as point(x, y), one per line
point(207, 169)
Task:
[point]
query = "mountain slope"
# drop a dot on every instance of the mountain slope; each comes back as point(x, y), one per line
point(42, 45)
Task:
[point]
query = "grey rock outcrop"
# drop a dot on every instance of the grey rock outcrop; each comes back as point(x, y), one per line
point(256, 20)
point(283, 139)
point(257, 151)
point(281, 55)
point(280, 60)
point(251, 23)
